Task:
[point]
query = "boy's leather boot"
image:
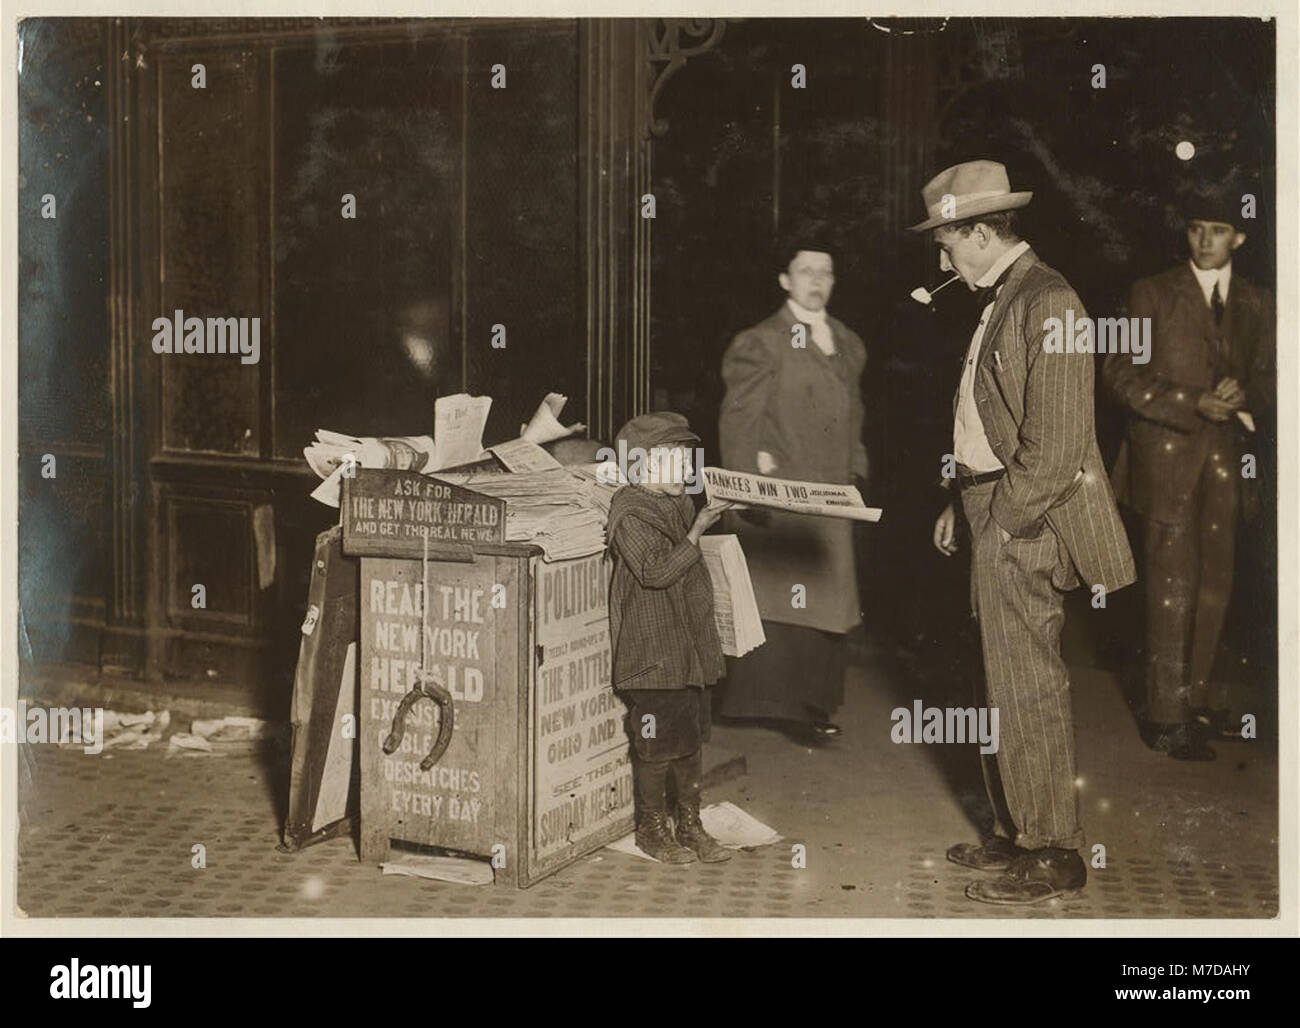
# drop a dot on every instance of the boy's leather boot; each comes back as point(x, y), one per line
point(691, 834)
point(687, 772)
point(655, 838)
point(654, 835)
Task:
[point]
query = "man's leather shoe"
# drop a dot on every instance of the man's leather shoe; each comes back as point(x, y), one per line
point(1036, 876)
point(812, 733)
point(1217, 724)
point(994, 854)
point(1181, 742)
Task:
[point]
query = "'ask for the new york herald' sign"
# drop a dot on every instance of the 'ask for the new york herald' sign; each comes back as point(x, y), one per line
point(392, 514)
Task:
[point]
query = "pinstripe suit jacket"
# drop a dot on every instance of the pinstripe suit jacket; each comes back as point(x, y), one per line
point(1037, 411)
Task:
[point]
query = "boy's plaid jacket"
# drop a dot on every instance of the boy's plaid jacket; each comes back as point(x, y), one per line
point(661, 596)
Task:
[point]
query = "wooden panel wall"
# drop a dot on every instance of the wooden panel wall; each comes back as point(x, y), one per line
point(505, 207)
point(63, 329)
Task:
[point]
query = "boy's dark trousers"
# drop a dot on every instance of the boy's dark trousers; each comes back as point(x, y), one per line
point(667, 728)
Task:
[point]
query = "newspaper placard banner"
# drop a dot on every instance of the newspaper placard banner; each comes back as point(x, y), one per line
point(822, 499)
point(582, 777)
point(395, 513)
point(440, 622)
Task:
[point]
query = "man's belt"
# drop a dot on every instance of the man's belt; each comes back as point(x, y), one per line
point(967, 478)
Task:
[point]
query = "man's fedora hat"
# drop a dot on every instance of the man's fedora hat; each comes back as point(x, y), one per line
point(976, 187)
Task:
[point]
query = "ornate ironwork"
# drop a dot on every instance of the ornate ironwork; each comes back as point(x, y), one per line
point(668, 54)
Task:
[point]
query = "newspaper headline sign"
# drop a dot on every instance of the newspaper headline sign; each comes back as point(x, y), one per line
point(394, 513)
point(582, 782)
point(822, 499)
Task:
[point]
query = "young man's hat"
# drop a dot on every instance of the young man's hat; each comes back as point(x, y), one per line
point(1210, 187)
point(1213, 207)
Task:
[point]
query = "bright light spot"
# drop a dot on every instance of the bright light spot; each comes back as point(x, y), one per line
point(1103, 805)
point(1185, 151)
point(1078, 783)
point(313, 888)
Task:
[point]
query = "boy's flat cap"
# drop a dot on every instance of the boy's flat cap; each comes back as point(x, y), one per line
point(657, 428)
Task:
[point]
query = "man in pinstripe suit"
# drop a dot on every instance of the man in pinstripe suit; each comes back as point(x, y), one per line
point(1042, 520)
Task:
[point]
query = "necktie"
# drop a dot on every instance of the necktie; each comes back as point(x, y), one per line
point(1216, 302)
point(985, 295)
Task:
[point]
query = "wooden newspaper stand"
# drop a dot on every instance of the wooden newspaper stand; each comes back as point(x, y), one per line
point(530, 765)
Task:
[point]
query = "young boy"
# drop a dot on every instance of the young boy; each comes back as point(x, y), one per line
point(665, 646)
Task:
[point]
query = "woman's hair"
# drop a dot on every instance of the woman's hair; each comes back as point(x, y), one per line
point(785, 251)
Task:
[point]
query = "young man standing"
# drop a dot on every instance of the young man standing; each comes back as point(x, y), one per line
point(1192, 412)
point(1042, 519)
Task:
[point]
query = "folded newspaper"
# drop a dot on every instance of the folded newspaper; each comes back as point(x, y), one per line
point(735, 610)
point(823, 499)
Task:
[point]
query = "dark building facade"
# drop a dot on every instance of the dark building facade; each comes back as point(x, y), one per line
point(497, 171)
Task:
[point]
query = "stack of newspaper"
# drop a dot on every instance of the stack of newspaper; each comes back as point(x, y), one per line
point(735, 611)
point(561, 510)
point(457, 440)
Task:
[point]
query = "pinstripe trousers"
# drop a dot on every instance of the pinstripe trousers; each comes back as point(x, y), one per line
point(1031, 779)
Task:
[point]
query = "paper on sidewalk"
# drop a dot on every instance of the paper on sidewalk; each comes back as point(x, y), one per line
point(544, 426)
point(726, 822)
point(1245, 418)
point(458, 422)
point(823, 499)
point(233, 729)
point(735, 610)
point(221, 735)
point(460, 870)
point(188, 744)
point(522, 455)
point(120, 731)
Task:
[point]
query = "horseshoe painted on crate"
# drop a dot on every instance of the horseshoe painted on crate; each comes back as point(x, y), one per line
point(428, 687)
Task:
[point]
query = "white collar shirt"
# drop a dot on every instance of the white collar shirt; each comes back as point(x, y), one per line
point(970, 444)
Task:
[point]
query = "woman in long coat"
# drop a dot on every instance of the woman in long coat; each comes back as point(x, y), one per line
point(793, 409)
